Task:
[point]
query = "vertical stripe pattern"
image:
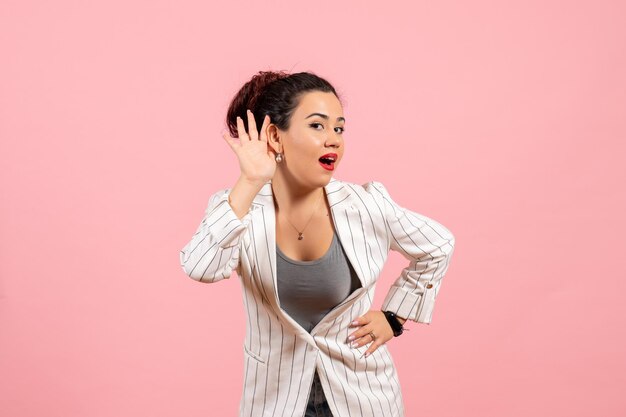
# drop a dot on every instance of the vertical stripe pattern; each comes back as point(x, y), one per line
point(280, 357)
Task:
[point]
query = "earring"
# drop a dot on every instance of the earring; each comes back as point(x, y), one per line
point(279, 157)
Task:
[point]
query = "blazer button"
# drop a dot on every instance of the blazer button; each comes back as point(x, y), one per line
point(429, 286)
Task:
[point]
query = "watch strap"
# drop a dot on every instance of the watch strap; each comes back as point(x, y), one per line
point(395, 324)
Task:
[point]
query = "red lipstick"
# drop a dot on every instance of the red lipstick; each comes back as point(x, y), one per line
point(327, 161)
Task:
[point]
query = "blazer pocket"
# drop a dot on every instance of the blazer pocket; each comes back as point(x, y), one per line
point(253, 355)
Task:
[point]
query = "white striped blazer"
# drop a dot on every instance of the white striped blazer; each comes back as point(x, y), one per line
point(280, 356)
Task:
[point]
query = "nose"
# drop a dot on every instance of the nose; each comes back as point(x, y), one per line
point(333, 140)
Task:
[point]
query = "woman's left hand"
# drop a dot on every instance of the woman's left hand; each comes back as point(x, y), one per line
point(373, 321)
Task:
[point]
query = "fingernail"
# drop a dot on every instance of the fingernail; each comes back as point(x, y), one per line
point(351, 337)
point(367, 354)
point(355, 322)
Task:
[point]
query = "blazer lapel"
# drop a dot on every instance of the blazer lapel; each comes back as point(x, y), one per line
point(345, 217)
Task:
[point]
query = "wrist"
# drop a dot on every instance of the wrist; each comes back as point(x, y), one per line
point(250, 182)
point(395, 322)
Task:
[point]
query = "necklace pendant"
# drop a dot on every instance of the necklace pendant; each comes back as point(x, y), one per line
point(300, 237)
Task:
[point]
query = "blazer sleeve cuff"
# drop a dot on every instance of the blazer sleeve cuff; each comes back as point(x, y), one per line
point(411, 306)
point(225, 225)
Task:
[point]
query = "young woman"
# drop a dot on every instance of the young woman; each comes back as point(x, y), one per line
point(309, 249)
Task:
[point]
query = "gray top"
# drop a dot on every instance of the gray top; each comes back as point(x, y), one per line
point(308, 290)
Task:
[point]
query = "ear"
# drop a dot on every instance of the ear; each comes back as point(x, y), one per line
point(273, 138)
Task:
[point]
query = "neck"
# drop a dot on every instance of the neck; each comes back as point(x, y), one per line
point(291, 196)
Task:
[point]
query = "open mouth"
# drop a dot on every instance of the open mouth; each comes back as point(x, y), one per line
point(327, 163)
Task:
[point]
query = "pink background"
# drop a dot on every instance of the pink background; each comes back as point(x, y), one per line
point(505, 122)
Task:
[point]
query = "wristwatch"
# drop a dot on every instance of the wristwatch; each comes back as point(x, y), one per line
point(395, 324)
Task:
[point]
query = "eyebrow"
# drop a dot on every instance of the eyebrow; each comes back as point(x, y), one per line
point(325, 116)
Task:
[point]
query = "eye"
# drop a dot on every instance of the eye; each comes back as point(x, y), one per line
point(319, 124)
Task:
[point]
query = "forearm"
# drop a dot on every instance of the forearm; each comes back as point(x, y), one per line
point(242, 194)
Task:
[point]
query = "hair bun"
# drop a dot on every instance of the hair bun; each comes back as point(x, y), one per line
point(254, 88)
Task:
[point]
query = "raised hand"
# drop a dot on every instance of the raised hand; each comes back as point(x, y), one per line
point(256, 157)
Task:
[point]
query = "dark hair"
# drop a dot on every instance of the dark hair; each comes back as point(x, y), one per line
point(276, 94)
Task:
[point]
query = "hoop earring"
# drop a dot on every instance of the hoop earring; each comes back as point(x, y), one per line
point(279, 157)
